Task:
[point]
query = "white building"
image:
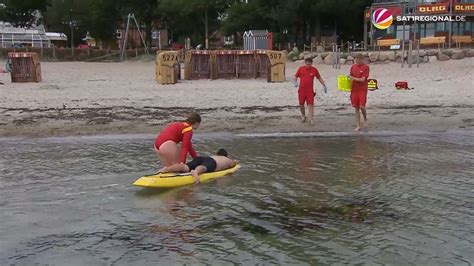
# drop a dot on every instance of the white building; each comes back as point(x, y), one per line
point(20, 37)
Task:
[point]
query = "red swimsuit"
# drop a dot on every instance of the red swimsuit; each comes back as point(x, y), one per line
point(359, 89)
point(178, 132)
point(306, 89)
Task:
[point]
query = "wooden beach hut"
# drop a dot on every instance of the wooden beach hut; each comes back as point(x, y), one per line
point(257, 39)
point(26, 67)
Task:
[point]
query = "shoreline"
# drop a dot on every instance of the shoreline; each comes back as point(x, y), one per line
point(118, 120)
point(77, 98)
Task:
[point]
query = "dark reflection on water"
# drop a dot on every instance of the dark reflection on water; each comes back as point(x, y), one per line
point(317, 200)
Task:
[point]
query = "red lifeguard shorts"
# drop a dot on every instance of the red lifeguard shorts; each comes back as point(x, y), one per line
point(306, 96)
point(359, 98)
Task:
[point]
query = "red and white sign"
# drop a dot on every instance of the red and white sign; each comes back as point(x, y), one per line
point(441, 8)
point(463, 8)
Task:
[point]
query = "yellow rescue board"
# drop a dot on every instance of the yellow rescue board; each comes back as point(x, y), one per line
point(170, 180)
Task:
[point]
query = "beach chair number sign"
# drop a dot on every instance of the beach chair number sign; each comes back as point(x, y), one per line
point(276, 71)
point(169, 57)
point(275, 56)
point(166, 73)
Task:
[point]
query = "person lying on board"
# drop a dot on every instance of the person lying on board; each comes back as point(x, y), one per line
point(202, 164)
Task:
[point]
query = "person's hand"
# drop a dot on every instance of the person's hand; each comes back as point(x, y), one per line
point(295, 83)
point(325, 89)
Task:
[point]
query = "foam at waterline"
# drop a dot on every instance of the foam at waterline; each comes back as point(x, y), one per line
point(349, 134)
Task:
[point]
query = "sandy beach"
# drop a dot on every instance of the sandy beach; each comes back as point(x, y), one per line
point(78, 98)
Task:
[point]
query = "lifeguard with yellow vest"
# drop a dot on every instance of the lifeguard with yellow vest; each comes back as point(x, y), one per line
point(166, 143)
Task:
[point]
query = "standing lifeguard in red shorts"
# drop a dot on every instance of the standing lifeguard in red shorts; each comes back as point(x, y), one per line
point(359, 75)
point(306, 93)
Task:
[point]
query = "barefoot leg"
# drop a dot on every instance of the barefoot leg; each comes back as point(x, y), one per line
point(364, 114)
point(357, 118)
point(196, 172)
point(303, 113)
point(311, 114)
point(176, 168)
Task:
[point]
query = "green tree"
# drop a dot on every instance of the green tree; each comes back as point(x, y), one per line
point(77, 17)
point(289, 20)
point(278, 16)
point(299, 19)
point(146, 12)
point(72, 17)
point(103, 19)
point(23, 13)
point(193, 14)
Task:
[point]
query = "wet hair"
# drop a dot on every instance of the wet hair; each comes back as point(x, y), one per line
point(193, 118)
point(308, 60)
point(222, 152)
point(360, 56)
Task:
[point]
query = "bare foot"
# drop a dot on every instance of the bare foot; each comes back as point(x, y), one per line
point(311, 122)
point(366, 124)
point(161, 170)
point(357, 129)
point(303, 119)
point(196, 177)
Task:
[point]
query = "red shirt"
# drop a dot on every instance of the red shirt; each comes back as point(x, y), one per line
point(307, 75)
point(359, 71)
point(177, 132)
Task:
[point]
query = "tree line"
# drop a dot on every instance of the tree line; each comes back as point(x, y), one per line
point(293, 21)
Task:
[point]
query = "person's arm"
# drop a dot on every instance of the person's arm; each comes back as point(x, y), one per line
point(318, 76)
point(366, 73)
point(295, 78)
point(187, 146)
point(322, 82)
point(230, 163)
point(365, 76)
point(351, 75)
point(361, 79)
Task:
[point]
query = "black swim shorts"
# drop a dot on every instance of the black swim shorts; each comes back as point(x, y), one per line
point(205, 161)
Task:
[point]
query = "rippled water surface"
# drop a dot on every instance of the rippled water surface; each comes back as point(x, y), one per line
point(388, 199)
